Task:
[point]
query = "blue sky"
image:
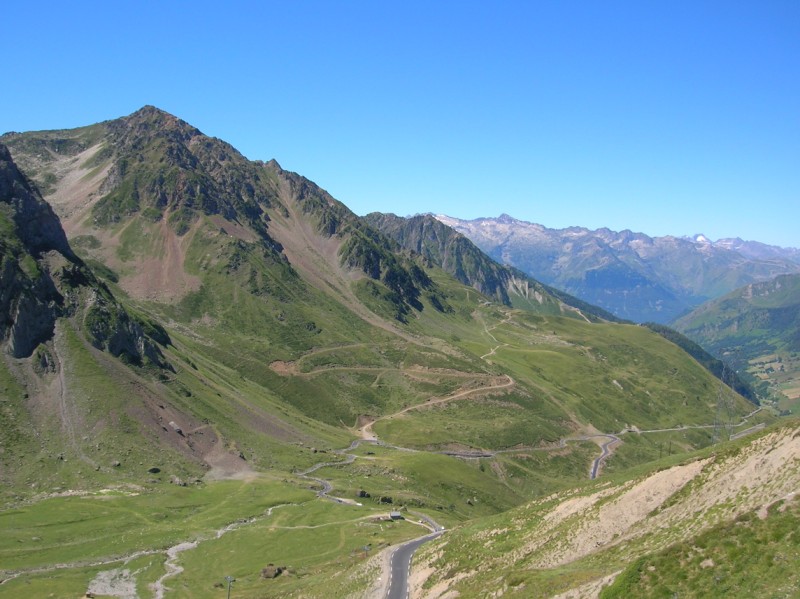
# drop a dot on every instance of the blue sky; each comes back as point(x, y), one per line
point(664, 117)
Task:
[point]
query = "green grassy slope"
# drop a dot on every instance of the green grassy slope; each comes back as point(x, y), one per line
point(716, 367)
point(752, 554)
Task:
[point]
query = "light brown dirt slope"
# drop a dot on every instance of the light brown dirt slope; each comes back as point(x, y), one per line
point(638, 516)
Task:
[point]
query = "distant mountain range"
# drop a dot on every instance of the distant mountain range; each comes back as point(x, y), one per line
point(631, 275)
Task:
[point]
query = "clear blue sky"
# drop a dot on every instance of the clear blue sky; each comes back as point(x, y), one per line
point(665, 117)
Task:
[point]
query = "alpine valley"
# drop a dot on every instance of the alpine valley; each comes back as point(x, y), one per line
point(217, 378)
point(756, 329)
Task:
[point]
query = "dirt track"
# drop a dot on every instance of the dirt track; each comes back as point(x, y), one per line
point(366, 431)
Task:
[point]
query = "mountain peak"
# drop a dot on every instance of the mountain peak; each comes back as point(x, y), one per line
point(274, 165)
point(149, 109)
point(152, 118)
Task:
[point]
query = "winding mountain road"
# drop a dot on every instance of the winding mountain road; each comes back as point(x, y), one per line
point(400, 565)
point(605, 451)
point(397, 570)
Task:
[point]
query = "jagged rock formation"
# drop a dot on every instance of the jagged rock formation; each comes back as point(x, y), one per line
point(41, 280)
point(35, 223)
point(29, 299)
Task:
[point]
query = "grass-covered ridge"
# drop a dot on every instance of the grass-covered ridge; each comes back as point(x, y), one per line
point(756, 329)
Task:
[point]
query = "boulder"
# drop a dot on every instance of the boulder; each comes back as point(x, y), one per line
point(271, 571)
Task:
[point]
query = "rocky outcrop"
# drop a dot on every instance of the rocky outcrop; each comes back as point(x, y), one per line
point(109, 327)
point(29, 299)
point(41, 280)
point(29, 308)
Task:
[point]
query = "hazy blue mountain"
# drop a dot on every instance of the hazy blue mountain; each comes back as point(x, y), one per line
point(631, 275)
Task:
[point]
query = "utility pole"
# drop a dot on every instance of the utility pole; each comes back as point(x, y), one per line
point(230, 580)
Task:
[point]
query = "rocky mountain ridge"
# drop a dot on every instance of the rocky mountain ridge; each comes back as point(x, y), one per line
point(453, 252)
point(164, 174)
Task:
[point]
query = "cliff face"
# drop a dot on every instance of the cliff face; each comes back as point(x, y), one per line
point(41, 280)
point(34, 221)
point(29, 299)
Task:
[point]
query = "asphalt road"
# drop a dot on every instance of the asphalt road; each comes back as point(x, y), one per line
point(603, 455)
point(401, 566)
